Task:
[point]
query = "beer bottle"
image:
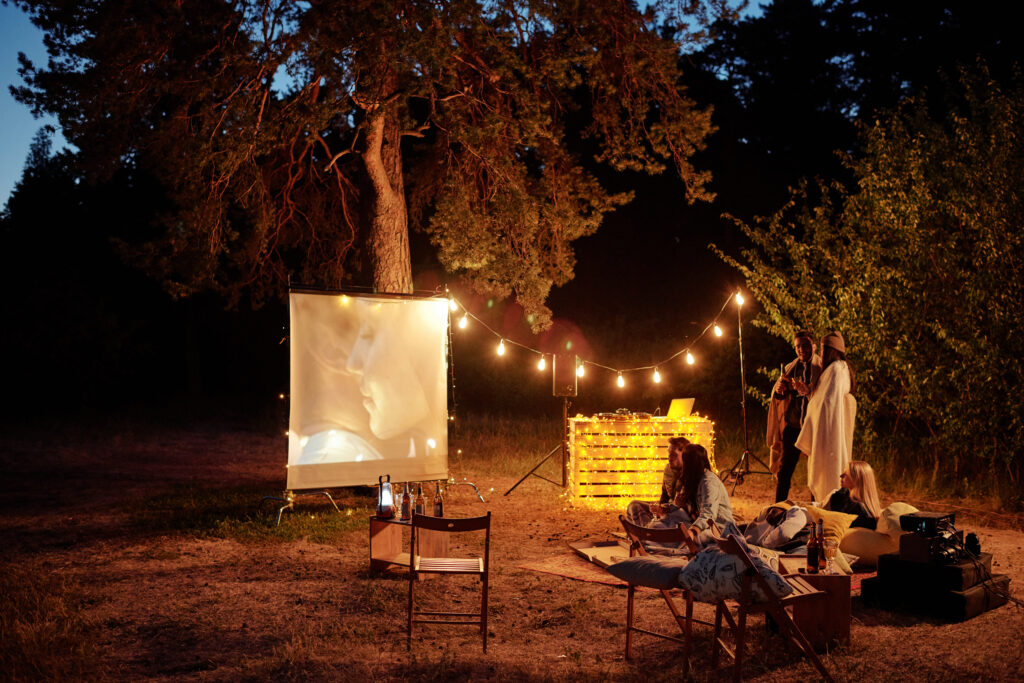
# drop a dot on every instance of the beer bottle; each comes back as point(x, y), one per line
point(421, 507)
point(406, 504)
point(821, 547)
point(438, 501)
point(813, 551)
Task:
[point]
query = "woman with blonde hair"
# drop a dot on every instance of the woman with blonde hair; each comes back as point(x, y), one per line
point(857, 495)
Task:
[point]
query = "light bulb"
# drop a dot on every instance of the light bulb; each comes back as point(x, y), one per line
point(621, 382)
point(657, 376)
point(542, 363)
point(718, 330)
point(501, 348)
point(463, 322)
point(739, 299)
point(452, 306)
point(690, 360)
point(579, 370)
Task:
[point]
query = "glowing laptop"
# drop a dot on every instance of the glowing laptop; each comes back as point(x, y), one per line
point(680, 408)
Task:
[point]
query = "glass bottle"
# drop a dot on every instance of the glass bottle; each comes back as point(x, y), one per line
point(421, 506)
point(813, 551)
point(822, 560)
point(438, 501)
point(406, 504)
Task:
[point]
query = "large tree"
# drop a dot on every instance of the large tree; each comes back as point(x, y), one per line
point(302, 138)
point(920, 267)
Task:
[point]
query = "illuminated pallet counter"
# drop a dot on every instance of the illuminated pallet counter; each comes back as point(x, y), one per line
point(616, 460)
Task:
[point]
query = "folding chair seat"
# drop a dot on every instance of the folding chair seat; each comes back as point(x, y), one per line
point(472, 566)
point(681, 614)
point(773, 606)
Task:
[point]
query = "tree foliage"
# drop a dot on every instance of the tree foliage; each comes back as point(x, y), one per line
point(300, 139)
point(920, 268)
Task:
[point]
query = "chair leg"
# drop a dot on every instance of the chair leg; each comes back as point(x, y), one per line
point(630, 591)
point(408, 637)
point(796, 635)
point(741, 633)
point(718, 635)
point(483, 613)
point(687, 635)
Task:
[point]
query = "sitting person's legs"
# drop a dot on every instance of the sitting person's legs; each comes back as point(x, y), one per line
point(638, 512)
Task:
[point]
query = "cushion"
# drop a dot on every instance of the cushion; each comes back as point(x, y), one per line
point(648, 571)
point(867, 545)
point(835, 525)
point(714, 575)
point(889, 520)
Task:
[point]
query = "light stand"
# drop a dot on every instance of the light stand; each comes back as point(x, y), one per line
point(742, 466)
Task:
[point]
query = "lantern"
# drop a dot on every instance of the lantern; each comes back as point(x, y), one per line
point(385, 499)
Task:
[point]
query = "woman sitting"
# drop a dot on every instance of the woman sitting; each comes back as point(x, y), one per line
point(703, 498)
point(857, 495)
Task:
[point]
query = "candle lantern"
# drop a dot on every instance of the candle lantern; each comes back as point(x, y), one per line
point(385, 499)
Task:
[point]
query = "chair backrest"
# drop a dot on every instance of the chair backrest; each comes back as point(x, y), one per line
point(452, 524)
point(732, 546)
point(638, 535)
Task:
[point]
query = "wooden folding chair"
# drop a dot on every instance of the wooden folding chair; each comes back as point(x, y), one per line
point(476, 566)
point(679, 537)
point(774, 606)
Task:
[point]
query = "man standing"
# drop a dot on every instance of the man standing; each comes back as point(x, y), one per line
point(788, 408)
point(641, 512)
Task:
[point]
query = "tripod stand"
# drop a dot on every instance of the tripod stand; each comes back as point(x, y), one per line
point(563, 447)
point(742, 467)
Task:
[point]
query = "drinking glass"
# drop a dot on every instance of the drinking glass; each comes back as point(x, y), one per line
point(830, 554)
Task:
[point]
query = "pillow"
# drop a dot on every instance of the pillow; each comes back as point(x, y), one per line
point(714, 575)
point(889, 520)
point(835, 525)
point(651, 572)
point(867, 545)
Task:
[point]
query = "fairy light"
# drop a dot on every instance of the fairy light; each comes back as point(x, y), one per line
point(739, 299)
point(579, 370)
point(690, 360)
point(657, 376)
point(718, 330)
point(463, 321)
point(542, 363)
point(620, 381)
point(452, 306)
point(501, 348)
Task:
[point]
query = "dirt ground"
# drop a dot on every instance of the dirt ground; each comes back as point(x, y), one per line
point(97, 591)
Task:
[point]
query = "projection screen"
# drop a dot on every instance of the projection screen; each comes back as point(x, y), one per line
point(368, 389)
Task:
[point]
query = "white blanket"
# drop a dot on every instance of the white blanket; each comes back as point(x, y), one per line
point(827, 435)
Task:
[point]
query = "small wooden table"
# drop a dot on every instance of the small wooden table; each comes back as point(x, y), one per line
point(386, 543)
point(826, 623)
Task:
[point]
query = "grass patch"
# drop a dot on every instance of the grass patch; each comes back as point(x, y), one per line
point(40, 615)
point(241, 514)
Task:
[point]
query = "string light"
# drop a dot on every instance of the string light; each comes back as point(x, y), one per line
point(452, 306)
point(657, 376)
point(579, 370)
point(463, 322)
point(690, 360)
point(542, 363)
point(501, 348)
point(620, 381)
point(718, 330)
point(739, 299)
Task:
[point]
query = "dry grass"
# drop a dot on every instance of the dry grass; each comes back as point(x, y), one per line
point(146, 556)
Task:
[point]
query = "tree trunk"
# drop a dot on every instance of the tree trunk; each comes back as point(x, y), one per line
point(388, 241)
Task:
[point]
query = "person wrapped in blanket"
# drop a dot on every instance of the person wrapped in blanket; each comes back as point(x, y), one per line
point(781, 526)
point(702, 500)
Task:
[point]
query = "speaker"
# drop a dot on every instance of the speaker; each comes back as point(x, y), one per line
point(563, 374)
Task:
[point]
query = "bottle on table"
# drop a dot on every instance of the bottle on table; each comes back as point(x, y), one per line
point(813, 551)
point(406, 504)
point(421, 505)
point(822, 560)
point(438, 501)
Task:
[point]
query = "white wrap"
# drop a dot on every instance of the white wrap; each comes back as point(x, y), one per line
point(827, 435)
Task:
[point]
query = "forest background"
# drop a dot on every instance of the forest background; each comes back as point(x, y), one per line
point(866, 176)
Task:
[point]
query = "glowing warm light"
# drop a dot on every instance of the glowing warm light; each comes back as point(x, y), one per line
point(287, 433)
point(718, 330)
point(690, 360)
point(579, 370)
point(621, 382)
point(739, 299)
point(542, 363)
point(452, 306)
point(343, 300)
point(463, 321)
point(501, 348)
point(657, 376)
point(281, 396)
point(431, 443)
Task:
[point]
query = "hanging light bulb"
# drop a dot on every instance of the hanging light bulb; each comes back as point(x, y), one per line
point(463, 321)
point(579, 370)
point(718, 330)
point(690, 360)
point(542, 363)
point(452, 306)
point(739, 299)
point(501, 348)
point(657, 376)
point(620, 381)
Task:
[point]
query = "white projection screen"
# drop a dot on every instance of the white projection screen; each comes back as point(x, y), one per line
point(369, 393)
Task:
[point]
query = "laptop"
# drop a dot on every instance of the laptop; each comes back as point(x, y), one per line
point(680, 408)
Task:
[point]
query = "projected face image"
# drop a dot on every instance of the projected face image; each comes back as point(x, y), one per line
point(392, 391)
